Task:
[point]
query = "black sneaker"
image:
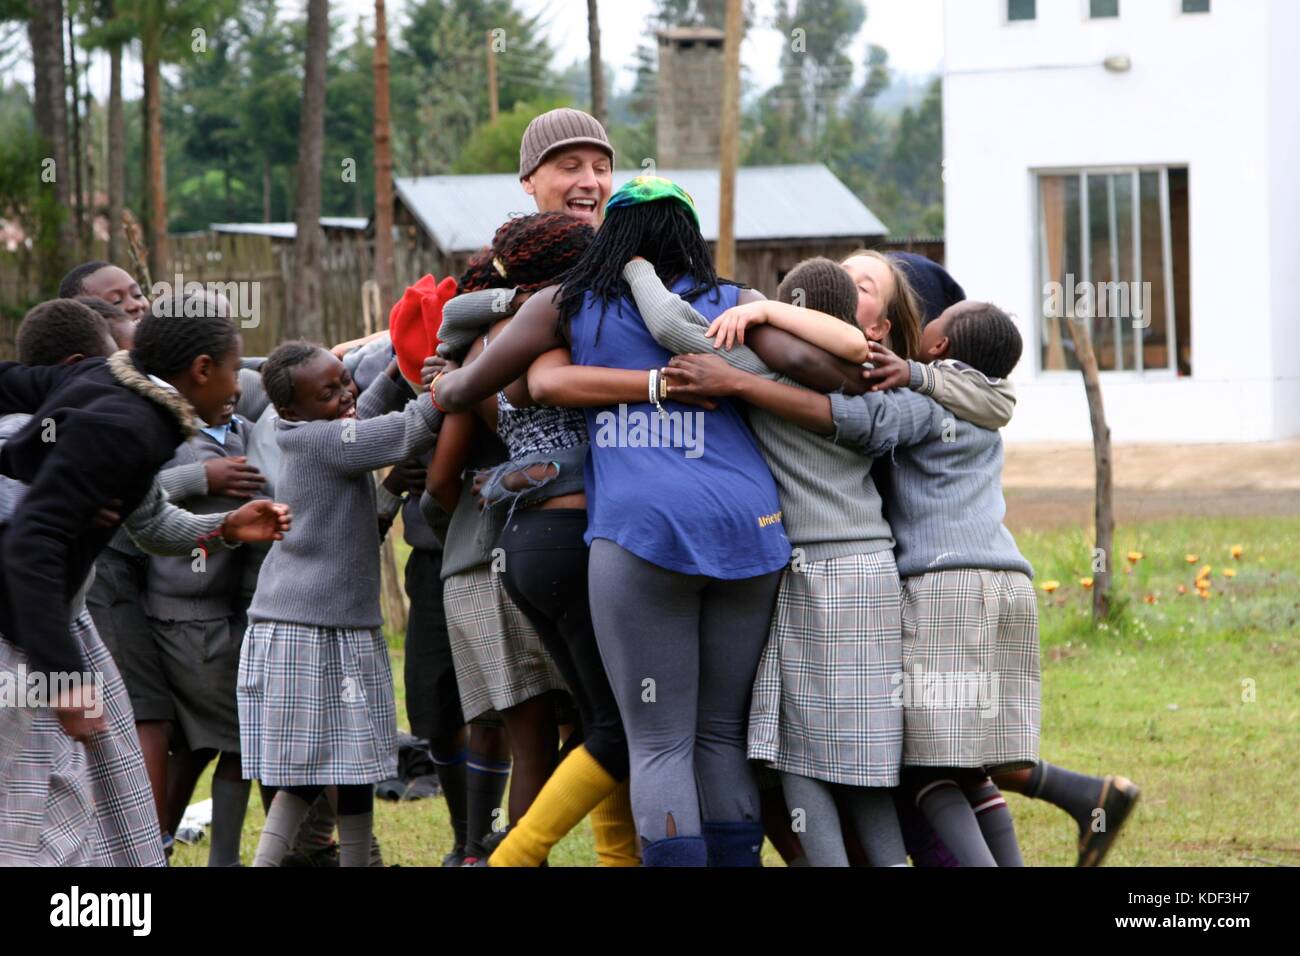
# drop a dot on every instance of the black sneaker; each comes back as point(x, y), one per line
point(1119, 795)
point(454, 858)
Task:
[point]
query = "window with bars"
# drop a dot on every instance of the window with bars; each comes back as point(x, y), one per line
point(1113, 257)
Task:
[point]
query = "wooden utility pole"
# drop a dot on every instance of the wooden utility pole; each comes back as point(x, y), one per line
point(597, 67)
point(726, 256)
point(494, 105)
point(384, 266)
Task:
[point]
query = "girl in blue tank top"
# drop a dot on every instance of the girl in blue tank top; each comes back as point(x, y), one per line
point(685, 526)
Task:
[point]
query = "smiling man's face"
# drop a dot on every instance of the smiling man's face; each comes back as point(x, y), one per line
point(576, 181)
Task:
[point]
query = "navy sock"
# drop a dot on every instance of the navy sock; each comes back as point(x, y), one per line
point(1075, 793)
point(485, 785)
point(453, 779)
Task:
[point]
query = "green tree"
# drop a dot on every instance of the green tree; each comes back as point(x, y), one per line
point(494, 147)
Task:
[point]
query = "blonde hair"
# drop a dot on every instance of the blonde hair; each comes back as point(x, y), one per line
point(901, 310)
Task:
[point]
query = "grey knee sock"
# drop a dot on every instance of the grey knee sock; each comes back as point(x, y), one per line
point(811, 802)
point(355, 830)
point(229, 804)
point(1075, 793)
point(317, 830)
point(994, 817)
point(944, 805)
point(282, 822)
point(876, 822)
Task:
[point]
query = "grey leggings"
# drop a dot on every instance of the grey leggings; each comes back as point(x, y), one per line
point(681, 652)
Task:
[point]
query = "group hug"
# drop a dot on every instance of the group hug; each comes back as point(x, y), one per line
point(703, 567)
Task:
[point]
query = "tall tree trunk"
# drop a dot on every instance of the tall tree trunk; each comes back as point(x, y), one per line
point(77, 156)
point(266, 189)
point(116, 153)
point(156, 180)
point(1103, 505)
point(384, 255)
point(306, 317)
point(597, 68)
point(45, 32)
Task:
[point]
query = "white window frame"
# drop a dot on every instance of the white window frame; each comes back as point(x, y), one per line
point(1140, 372)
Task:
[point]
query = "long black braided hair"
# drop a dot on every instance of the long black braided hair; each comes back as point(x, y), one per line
point(663, 232)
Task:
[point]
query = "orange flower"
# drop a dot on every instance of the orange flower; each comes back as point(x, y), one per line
point(1191, 558)
point(1237, 551)
point(1150, 599)
point(1182, 589)
point(1135, 556)
point(1229, 572)
point(1050, 586)
point(1085, 583)
point(1204, 573)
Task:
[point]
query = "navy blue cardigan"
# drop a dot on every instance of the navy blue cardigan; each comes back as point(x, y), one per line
point(100, 430)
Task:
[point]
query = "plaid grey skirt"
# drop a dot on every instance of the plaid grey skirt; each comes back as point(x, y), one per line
point(823, 697)
point(971, 693)
point(500, 661)
point(316, 705)
point(67, 804)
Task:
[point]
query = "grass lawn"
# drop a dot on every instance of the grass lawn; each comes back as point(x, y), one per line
point(1196, 699)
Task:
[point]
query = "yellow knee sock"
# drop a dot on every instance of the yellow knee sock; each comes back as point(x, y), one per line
point(614, 830)
point(576, 787)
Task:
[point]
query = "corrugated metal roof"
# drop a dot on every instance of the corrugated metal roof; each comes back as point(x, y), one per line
point(462, 213)
point(289, 230)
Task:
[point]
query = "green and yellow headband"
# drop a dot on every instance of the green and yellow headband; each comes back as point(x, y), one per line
point(649, 189)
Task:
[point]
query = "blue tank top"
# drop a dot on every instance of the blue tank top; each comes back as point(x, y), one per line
point(690, 493)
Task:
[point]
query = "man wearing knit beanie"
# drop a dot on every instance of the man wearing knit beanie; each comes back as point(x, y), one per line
point(566, 163)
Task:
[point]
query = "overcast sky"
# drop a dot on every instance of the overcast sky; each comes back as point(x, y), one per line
point(911, 30)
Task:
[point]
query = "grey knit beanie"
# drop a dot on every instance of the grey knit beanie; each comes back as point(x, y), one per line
point(555, 130)
point(826, 287)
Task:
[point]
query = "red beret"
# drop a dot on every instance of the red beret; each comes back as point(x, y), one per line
point(413, 323)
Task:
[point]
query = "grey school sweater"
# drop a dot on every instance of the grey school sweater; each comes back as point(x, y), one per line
point(381, 396)
point(946, 505)
point(326, 570)
point(176, 590)
point(829, 504)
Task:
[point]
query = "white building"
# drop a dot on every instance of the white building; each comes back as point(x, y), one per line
point(1134, 141)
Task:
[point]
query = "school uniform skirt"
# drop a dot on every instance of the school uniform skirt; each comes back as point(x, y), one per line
point(972, 679)
point(499, 659)
point(824, 697)
point(63, 803)
point(316, 705)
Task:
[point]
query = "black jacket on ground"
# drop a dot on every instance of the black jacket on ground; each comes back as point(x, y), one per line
point(100, 430)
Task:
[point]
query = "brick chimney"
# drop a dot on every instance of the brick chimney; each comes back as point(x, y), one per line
point(689, 121)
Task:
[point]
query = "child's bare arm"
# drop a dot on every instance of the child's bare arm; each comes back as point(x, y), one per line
point(698, 375)
point(444, 480)
point(839, 338)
